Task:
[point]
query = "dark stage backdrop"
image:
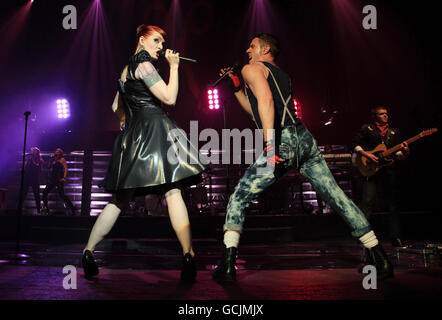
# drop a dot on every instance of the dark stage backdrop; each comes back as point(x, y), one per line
point(334, 62)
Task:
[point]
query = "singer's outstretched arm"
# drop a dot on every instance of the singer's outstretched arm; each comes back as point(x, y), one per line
point(243, 101)
point(240, 95)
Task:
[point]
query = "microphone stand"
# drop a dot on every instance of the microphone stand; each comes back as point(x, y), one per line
point(19, 256)
point(227, 165)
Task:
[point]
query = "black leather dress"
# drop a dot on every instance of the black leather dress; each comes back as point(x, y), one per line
point(149, 155)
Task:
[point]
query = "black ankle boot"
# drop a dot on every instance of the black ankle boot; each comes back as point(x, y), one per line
point(377, 257)
point(366, 260)
point(188, 272)
point(226, 272)
point(90, 266)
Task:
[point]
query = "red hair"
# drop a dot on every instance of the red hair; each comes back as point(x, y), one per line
point(145, 31)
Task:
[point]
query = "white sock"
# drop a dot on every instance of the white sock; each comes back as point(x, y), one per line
point(103, 225)
point(231, 239)
point(369, 240)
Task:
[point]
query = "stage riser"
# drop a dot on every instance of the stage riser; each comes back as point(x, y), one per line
point(294, 195)
point(269, 228)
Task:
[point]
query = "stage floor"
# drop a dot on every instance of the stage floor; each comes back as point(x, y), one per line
point(149, 269)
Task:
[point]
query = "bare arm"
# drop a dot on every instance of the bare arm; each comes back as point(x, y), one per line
point(65, 166)
point(255, 79)
point(165, 93)
point(117, 107)
point(244, 102)
point(240, 96)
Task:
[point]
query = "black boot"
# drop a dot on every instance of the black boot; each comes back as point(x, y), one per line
point(90, 266)
point(46, 210)
point(188, 272)
point(366, 260)
point(226, 272)
point(73, 211)
point(377, 257)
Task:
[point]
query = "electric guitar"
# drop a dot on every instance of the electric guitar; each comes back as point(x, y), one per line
point(368, 168)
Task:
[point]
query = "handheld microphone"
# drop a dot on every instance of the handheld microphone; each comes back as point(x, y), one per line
point(232, 68)
point(162, 53)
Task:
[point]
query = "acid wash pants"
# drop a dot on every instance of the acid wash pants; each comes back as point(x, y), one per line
point(299, 149)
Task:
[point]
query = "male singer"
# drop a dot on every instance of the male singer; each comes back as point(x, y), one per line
point(288, 145)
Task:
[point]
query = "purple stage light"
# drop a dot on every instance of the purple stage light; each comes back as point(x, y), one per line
point(63, 109)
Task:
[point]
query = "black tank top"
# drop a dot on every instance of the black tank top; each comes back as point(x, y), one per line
point(32, 170)
point(57, 171)
point(284, 84)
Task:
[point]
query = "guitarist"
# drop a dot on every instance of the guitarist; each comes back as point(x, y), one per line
point(368, 137)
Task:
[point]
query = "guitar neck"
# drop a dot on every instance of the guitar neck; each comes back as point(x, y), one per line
point(396, 148)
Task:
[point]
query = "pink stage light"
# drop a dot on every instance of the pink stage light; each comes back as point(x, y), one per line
point(298, 109)
point(213, 99)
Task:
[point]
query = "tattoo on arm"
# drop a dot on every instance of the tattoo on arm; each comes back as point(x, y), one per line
point(148, 74)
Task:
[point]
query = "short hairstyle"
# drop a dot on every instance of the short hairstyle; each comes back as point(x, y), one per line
point(271, 41)
point(145, 31)
point(374, 110)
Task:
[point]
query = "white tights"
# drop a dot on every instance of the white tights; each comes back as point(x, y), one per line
point(177, 213)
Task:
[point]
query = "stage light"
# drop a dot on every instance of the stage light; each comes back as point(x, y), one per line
point(298, 109)
point(63, 109)
point(213, 99)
